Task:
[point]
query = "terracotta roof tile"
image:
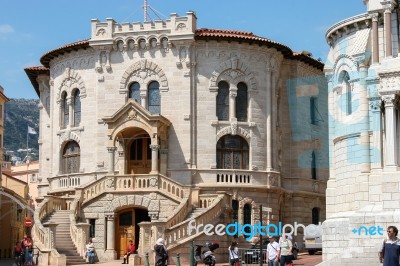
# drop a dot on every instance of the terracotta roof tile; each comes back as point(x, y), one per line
point(45, 59)
point(33, 72)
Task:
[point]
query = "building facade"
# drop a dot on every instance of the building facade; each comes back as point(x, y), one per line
point(146, 124)
point(363, 188)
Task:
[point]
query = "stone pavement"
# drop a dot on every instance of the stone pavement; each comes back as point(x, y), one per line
point(303, 260)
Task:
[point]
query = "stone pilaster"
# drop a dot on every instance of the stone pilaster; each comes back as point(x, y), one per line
point(268, 116)
point(390, 127)
point(154, 158)
point(375, 39)
point(111, 153)
point(232, 103)
point(110, 242)
point(388, 31)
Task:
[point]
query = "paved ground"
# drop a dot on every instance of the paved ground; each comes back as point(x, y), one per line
point(303, 260)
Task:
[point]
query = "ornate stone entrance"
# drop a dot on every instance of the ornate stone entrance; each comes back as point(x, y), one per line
point(127, 228)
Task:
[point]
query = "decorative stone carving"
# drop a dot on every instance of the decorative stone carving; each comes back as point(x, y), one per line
point(110, 182)
point(245, 201)
point(390, 83)
point(143, 71)
point(153, 182)
point(234, 127)
point(233, 71)
point(234, 130)
point(132, 114)
point(181, 27)
point(375, 104)
point(389, 100)
point(101, 32)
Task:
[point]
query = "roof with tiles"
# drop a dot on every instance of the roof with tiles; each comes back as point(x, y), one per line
point(200, 34)
point(33, 72)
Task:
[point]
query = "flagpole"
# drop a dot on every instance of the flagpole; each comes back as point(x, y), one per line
point(27, 144)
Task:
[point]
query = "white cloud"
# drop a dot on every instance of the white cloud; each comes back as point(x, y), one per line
point(5, 28)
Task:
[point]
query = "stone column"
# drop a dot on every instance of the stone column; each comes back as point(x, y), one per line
point(143, 97)
point(110, 242)
point(232, 103)
point(154, 158)
point(375, 39)
point(388, 31)
point(364, 132)
point(111, 153)
point(71, 111)
point(376, 128)
point(268, 116)
point(390, 128)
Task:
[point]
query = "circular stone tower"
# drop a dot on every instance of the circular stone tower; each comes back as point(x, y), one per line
point(363, 194)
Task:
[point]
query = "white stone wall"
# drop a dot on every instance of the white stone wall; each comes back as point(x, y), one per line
point(187, 71)
point(363, 187)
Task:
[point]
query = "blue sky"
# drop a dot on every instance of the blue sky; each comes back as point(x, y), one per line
point(29, 29)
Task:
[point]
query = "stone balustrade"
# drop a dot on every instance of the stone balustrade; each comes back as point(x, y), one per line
point(43, 237)
point(179, 214)
point(124, 183)
point(180, 231)
point(232, 177)
point(64, 182)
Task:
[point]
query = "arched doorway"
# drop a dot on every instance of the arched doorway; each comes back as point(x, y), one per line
point(127, 228)
point(139, 160)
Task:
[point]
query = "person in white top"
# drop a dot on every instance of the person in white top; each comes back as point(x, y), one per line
point(272, 252)
point(233, 253)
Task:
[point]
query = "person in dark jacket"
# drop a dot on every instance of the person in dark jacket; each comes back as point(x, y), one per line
point(161, 252)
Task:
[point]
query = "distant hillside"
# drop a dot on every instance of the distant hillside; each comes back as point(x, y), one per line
point(19, 114)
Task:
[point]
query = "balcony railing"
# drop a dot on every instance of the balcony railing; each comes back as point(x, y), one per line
point(231, 177)
point(142, 183)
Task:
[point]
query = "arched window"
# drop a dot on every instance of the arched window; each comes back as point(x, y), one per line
point(154, 98)
point(247, 216)
point(77, 108)
point(344, 79)
point(71, 158)
point(223, 101)
point(232, 153)
point(313, 166)
point(134, 92)
point(64, 111)
point(241, 102)
point(315, 215)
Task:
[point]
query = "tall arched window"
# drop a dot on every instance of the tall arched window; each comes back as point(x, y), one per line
point(344, 79)
point(241, 102)
point(247, 216)
point(223, 101)
point(232, 153)
point(71, 158)
point(134, 92)
point(77, 108)
point(315, 215)
point(64, 111)
point(154, 98)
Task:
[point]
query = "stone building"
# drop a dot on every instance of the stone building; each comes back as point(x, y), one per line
point(146, 124)
point(363, 83)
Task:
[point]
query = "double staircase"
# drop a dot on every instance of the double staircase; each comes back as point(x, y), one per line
point(63, 242)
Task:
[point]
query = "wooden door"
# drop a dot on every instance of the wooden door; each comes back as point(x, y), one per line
point(125, 231)
point(140, 156)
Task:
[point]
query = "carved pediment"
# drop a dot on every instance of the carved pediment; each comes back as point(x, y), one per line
point(134, 111)
point(132, 114)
